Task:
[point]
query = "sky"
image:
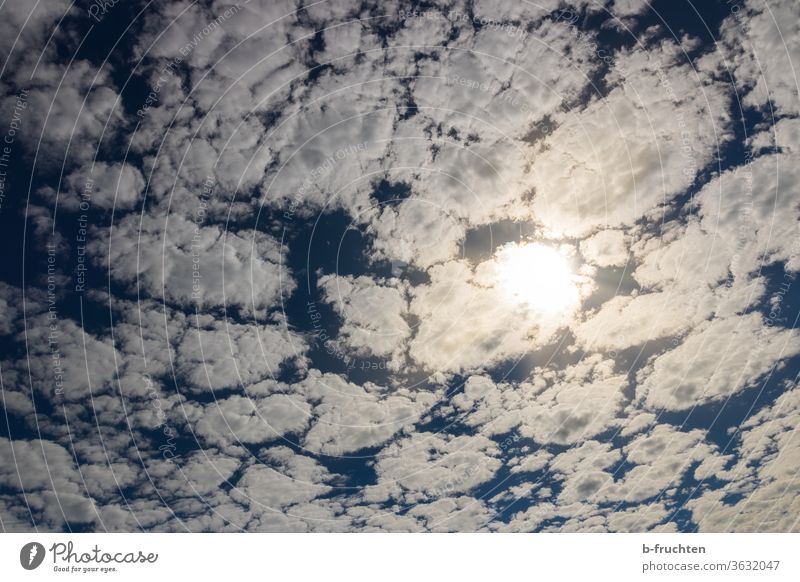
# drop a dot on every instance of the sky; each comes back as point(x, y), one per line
point(357, 266)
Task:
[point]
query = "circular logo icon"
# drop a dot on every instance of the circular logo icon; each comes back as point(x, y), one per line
point(31, 555)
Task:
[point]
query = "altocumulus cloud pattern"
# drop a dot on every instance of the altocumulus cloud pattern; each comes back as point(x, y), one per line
point(400, 266)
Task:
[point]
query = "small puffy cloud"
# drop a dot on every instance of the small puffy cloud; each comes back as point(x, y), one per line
point(569, 413)
point(52, 488)
point(783, 135)
point(373, 314)
point(192, 263)
point(565, 407)
point(589, 456)
point(238, 419)
point(691, 277)
point(625, 321)
point(605, 249)
point(716, 360)
point(658, 459)
point(428, 465)
point(624, 8)
point(199, 474)
point(285, 480)
point(416, 232)
point(464, 325)
point(104, 185)
point(10, 298)
point(67, 112)
point(24, 25)
point(66, 362)
point(227, 355)
point(349, 417)
point(452, 514)
point(476, 388)
point(752, 211)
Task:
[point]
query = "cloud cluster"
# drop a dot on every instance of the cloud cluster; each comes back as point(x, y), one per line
point(194, 190)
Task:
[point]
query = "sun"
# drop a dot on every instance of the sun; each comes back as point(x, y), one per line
point(538, 277)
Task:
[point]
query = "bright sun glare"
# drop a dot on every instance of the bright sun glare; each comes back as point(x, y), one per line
point(537, 276)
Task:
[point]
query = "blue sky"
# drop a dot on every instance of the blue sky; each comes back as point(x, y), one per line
point(344, 266)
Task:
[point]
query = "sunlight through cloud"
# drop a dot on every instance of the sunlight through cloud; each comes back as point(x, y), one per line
point(538, 277)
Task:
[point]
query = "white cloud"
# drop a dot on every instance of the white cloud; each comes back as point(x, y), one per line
point(349, 417)
point(638, 147)
point(51, 483)
point(24, 29)
point(67, 362)
point(416, 232)
point(10, 298)
point(751, 211)
point(453, 514)
point(761, 492)
point(687, 277)
point(583, 402)
point(468, 322)
point(716, 360)
point(194, 264)
point(373, 313)
point(563, 407)
point(287, 479)
point(67, 113)
point(251, 421)
point(605, 249)
point(103, 185)
point(227, 355)
point(763, 40)
point(427, 465)
point(659, 459)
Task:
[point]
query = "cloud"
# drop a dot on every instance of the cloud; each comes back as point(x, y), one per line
point(658, 460)
point(467, 321)
point(416, 232)
point(115, 185)
point(45, 474)
point(760, 492)
point(23, 32)
point(65, 361)
point(9, 300)
point(558, 407)
point(427, 465)
point(636, 148)
point(349, 417)
point(756, 217)
point(454, 514)
point(605, 249)
point(686, 277)
point(68, 113)
point(251, 421)
point(287, 480)
point(718, 359)
point(373, 314)
point(764, 45)
point(191, 263)
point(226, 355)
